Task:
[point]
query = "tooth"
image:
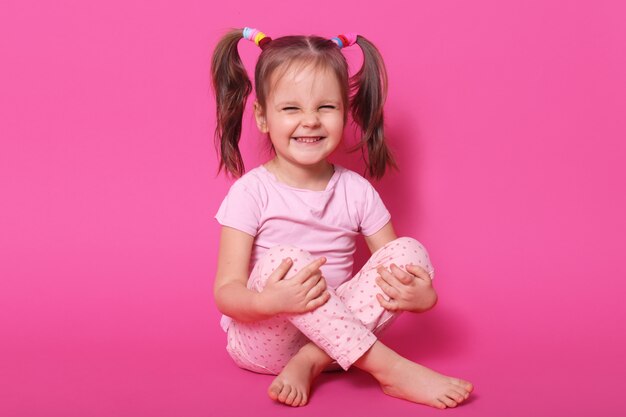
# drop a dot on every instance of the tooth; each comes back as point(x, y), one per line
point(308, 140)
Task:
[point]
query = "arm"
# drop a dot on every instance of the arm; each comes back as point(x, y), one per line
point(231, 295)
point(304, 292)
point(379, 239)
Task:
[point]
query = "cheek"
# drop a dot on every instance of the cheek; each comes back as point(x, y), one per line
point(281, 126)
point(338, 124)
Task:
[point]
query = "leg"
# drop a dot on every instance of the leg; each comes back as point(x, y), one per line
point(267, 346)
point(402, 378)
point(332, 326)
point(359, 293)
point(364, 312)
point(353, 314)
point(326, 327)
point(398, 376)
point(293, 384)
point(343, 327)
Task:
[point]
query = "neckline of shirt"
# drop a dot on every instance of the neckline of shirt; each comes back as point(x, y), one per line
point(329, 187)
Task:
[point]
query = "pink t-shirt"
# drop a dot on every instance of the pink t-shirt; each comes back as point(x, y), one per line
point(324, 223)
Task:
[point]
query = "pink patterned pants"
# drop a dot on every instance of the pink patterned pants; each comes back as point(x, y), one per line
point(344, 327)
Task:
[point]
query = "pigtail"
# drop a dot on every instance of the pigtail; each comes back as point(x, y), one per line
point(368, 89)
point(232, 87)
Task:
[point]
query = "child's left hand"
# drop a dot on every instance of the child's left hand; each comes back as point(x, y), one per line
point(407, 291)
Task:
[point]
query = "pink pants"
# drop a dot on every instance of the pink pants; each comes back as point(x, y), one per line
point(344, 327)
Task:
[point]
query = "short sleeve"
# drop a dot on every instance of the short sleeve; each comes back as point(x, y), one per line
point(241, 209)
point(375, 214)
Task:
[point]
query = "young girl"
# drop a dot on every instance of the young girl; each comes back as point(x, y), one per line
point(284, 277)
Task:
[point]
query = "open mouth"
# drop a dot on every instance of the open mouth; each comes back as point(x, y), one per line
point(308, 139)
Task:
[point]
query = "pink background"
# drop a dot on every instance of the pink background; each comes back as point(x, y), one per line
point(507, 118)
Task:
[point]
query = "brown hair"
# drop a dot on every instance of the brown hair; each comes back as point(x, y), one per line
point(364, 93)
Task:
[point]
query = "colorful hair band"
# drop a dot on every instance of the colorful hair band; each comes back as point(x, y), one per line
point(256, 36)
point(345, 40)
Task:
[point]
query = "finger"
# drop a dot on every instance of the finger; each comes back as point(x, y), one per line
point(310, 269)
point(281, 270)
point(309, 284)
point(403, 276)
point(317, 302)
point(391, 305)
point(390, 279)
point(312, 280)
point(418, 271)
point(316, 290)
point(390, 291)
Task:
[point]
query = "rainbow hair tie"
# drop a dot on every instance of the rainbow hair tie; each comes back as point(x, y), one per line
point(345, 40)
point(256, 36)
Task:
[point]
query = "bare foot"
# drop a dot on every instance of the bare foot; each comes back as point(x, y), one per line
point(414, 382)
point(293, 384)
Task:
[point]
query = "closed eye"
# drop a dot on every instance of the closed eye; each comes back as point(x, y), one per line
point(291, 108)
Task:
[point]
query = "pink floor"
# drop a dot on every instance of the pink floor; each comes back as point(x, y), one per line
point(170, 379)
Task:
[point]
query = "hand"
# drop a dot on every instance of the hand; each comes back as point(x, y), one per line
point(302, 293)
point(407, 291)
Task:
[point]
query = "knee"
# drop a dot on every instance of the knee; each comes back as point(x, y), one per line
point(409, 244)
point(414, 253)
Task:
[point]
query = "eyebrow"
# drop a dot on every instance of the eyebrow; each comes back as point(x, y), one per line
point(286, 103)
point(295, 103)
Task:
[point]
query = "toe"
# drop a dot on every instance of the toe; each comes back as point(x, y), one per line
point(449, 402)
point(456, 396)
point(440, 404)
point(284, 393)
point(275, 389)
point(298, 400)
point(465, 385)
point(291, 397)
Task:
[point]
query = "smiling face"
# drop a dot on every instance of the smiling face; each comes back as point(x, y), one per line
point(303, 115)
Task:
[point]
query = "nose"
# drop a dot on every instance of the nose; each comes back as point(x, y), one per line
point(310, 119)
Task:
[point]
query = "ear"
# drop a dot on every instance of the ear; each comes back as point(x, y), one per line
point(259, 115)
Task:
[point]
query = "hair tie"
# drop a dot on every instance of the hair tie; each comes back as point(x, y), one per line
point(259, 38)
point(345, 40)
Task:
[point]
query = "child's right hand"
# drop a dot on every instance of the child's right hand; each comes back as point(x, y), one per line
point(302, 293)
